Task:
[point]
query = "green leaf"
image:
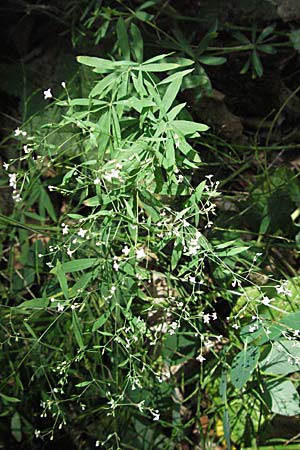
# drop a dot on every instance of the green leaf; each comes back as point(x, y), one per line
point(92, 201)
point(15, 427)
point(257, 65)
point(77, 329)
point(169, 157)
point(283, 358)
point(8, 399)
point(105, 85)
point(36, 303)
point(59, 272)
point(123, 39)
point(78, 264)
point(80, 284)
point(292, 320)
point(265, 33)
point(282, 397)
point(241, 38)
point(295, 39)
point(212, 60)
point(137, 43)
point(171, 94)
point(267, 48)
point(243, 365)
point(101, 321)
point(187, 127)
point(105, 65)
point(160, 67)
point(233, 251)
point(176, 254)
point(83, 384)
point(175, 76)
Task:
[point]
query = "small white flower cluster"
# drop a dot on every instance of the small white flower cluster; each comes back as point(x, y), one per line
point(13, 184)
point(283, 289)
point(155, 413)
point(173, 328)
point(19, 132)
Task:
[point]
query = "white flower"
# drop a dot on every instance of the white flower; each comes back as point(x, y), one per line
point(116, 266)
point(37, 433)
point(60, 307)
point(200, 358)
point(140, 253)
point(65, 228)
point(63, 84)
point(97, 181)
point(12, 180)
point(284, 290)
point(70, 252)
point(82, 232)
point(206, 318)
point(266, 301)
point(19, 132)
point(47, 94)
point(97, 443)
point(155, 414)
point(114, 173)
point(126, 250)
point(26, 149)
point(5, 166)
point(235, 325)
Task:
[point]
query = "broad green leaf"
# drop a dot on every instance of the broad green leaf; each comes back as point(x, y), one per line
point(81, 284)
point(36, 303)
point(187, 127)
point(123, 39)
point(77, 329)
point(243, 365)
point(282, 397)
point(92, 201)
point(292, 320)
point(15, 427)
point(283, 358)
